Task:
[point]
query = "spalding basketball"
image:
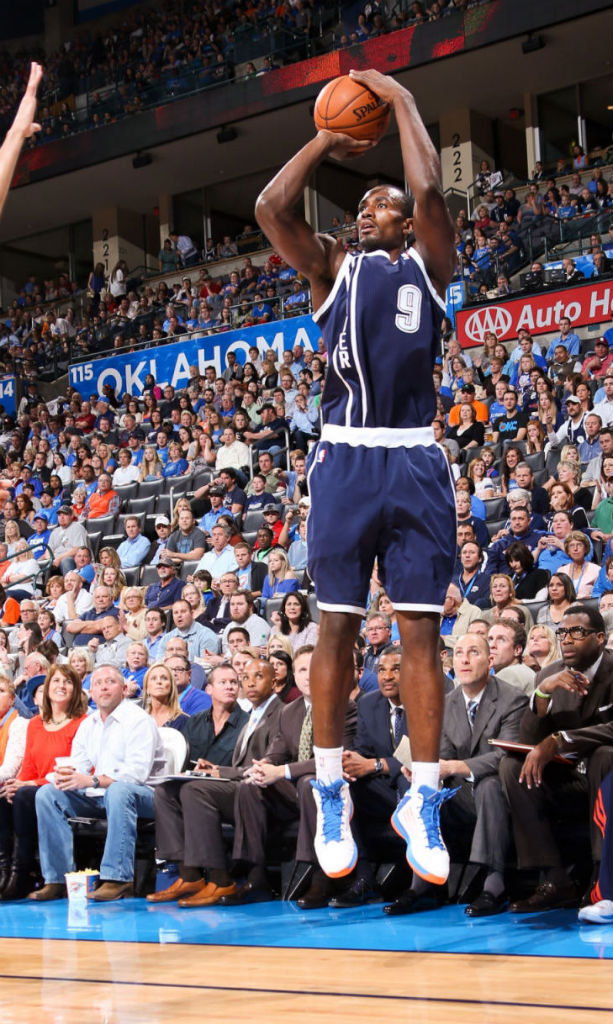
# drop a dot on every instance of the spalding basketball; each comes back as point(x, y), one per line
point(346, 106)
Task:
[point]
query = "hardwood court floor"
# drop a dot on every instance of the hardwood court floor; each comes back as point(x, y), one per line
point(55, 981)
point(130, 962)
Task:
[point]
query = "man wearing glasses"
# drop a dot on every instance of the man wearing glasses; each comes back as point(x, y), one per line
point(379, 636)
point(570, 694)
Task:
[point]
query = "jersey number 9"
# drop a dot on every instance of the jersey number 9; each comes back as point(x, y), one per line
point(409, 308)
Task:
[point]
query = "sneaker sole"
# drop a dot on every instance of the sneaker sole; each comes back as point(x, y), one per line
point(606, 919)
point(411, 860)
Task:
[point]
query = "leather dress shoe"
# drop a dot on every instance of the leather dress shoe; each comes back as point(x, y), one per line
point(108, 891)
point(486, 904)
point(356, 895)
point(316, 896)
point(208, 895)
point(247, 893)
point(19, 885)
point(177, 891)
point(51, 891)
point(547, 896)
point(410, 902)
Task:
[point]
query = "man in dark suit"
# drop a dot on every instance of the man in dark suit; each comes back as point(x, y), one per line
point(375, 773)
point(598, 907)
point(251, 574)
point(278, 786)
point(570, 694)
point(217, 611)
point(481, 708)
point(189, 815)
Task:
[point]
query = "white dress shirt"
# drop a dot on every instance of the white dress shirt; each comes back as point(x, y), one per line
point(83, 602)
point(127, 746)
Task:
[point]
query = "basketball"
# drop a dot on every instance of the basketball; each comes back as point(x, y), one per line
point(346, 106)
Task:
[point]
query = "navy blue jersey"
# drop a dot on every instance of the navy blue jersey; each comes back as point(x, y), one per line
point(381, 327)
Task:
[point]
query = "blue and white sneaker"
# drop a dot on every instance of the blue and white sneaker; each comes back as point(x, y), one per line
point(334, 844)
point(417, 821)
point(597, 913)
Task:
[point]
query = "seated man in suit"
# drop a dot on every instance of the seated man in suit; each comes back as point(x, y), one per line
point(189, 815)
point(597, 908)
point(571, 693)
point(481, 708)
point(375, 773)
point(217, 611)
point(278, 786)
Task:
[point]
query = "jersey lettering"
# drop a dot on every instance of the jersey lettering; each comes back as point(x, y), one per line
point(409, 305)
point(343, 351)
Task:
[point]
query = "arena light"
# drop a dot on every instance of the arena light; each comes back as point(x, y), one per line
point(142, 160)
point(226, 134)
point(532, 43)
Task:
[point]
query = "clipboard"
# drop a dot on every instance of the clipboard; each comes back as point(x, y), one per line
point(185, 777)
point(513, 747)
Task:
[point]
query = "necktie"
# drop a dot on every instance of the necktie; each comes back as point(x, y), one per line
point(472, 711)
point(305, 743)
point(397, 725)
point(249, 730)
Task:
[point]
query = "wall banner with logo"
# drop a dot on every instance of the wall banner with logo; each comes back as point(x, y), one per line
point(590, 303)
point(170, 364)
point(8, 395)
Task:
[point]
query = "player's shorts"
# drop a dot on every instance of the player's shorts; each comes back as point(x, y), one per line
point(393, 502)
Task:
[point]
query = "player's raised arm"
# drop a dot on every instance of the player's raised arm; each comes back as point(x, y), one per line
point(318, 257)
point(22, 127)
point(431, 221)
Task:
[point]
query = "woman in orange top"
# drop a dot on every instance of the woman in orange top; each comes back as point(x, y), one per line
point(48, 736)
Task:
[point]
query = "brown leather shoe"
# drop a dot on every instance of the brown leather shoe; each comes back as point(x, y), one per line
point(108, 891)
point(208, 895)
point(178, 890)
point(547, 897)
point(51, 891)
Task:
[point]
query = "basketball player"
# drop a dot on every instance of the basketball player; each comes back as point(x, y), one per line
point(379, 484)
point(22, 127)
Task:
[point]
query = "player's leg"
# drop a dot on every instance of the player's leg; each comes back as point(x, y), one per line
point(600, 910)
point(417, 817)
point(342, 536)
point(331, 681)
point(417, 551)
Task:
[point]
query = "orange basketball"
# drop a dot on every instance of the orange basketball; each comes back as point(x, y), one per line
point(344, 105)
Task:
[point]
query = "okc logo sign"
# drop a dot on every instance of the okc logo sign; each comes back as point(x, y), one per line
point(491, 319)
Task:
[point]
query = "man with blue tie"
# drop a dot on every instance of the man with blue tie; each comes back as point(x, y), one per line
point(375, 773)
point(480, 708)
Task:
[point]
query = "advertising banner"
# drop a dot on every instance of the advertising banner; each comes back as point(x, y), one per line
point(8, 398)
point(169, 364)
point(540, 313)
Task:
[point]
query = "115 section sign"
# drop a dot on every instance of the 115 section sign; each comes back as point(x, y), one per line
point(539, 314)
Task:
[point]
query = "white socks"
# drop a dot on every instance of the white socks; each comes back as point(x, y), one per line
point(425, 773)
point(329, 764)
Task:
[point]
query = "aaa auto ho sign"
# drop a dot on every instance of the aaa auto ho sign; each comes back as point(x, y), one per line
point(539, 314)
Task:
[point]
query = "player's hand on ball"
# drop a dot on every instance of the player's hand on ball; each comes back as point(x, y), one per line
point(383, 86)
point(343, 147)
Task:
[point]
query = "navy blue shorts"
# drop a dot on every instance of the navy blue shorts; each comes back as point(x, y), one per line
point(395, 505)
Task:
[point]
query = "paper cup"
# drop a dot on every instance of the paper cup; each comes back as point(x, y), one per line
point(61, 764)
point(79, 884)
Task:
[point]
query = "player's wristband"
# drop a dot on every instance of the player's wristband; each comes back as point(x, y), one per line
point(543, 696)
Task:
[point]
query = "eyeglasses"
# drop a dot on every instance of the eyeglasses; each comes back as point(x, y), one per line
point(574, 632)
